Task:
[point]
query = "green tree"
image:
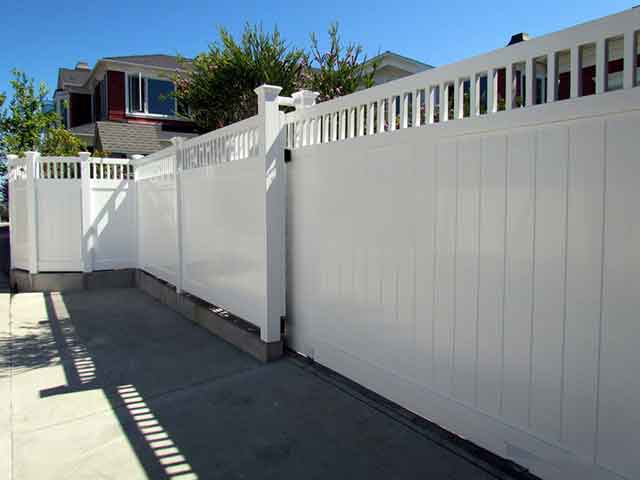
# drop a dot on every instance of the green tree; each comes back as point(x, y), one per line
point(219, 85)
point(24, 123)
point(60, 142)
point(339, 71)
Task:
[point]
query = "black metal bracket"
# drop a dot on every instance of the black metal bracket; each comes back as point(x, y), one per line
point(287, 155)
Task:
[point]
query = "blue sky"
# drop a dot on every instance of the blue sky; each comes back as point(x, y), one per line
point(41, 36)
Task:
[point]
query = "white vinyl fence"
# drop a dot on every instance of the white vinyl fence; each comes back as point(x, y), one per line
point(462, 241)
point(211, 217)
point(482, 271)
point(71, 214)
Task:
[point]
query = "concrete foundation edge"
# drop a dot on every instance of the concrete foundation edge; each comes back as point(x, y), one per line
point(186, 305)
point(201, 313)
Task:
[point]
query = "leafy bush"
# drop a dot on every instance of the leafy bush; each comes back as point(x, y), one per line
point(219, 87)
point(61, 142)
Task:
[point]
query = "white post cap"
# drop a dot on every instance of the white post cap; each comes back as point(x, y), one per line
point(304, 98)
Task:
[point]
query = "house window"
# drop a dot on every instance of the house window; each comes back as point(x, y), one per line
point(150, 96)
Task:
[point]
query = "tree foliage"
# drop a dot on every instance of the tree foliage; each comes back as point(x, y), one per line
point(219, 87)
point(339, 71)
point(60, 142)
point(24, 123)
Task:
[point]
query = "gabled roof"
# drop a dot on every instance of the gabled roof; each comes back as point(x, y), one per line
point(388, 56)
point(155, 60)
point(71, 76)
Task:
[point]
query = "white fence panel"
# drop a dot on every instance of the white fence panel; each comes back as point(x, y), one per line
point(18, 214)
point(156, 214)
point(59, 226)
point(483, 274)
point(113, 224)
point(223, 221)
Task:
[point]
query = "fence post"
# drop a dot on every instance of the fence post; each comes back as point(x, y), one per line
point(272, 150)
point(133, 188)
point(177, 144)
point(87, 228)
point(11, 164)
point(32, 209)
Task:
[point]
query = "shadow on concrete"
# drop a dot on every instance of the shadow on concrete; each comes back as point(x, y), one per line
point(192, 406)
point(5, 256)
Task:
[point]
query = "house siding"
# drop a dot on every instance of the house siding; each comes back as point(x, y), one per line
point(116, 98)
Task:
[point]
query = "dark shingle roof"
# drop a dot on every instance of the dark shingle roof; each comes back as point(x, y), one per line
point(160, 60)
point(133, 138)
point(128, 138)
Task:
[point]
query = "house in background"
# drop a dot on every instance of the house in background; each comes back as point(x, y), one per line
point(123, 105)
point(392, 66)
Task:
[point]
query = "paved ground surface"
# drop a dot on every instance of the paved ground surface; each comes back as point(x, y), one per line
point(111, 384)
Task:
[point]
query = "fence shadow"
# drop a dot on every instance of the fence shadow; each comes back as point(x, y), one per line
point(99, 356)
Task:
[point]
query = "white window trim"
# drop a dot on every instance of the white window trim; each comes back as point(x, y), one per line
point(146, 113)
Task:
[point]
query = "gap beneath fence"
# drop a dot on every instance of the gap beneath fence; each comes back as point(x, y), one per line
point(234, 330)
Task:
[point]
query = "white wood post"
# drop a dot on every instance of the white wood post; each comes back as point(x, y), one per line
point(32, 209)
point(391, 106)
point(303, 99)
point(86, 222)
point(381, 115)
point(601, 66)
point(11, 163)
point(492, 90)
point(272, 150)
point(576, 71)
point(416, 108)
point(530, 82)
point(177, 145)
point(444, 102)
point(428, 115)
point(474, 92)
point(508, 90)
point(552, 77)
point(432, 104)
point(133, 188)
point(629, 58)
point(403, 98)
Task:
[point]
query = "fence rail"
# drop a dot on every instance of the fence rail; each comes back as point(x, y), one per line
point(591, 58)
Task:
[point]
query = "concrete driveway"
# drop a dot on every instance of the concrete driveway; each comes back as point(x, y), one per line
point(111, 384)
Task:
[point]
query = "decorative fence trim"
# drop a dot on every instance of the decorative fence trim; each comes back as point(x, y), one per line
point(410, 102)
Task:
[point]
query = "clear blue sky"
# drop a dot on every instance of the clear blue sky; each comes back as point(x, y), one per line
point(41, 36)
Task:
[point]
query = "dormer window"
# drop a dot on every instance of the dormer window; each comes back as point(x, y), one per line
point(150, 96)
